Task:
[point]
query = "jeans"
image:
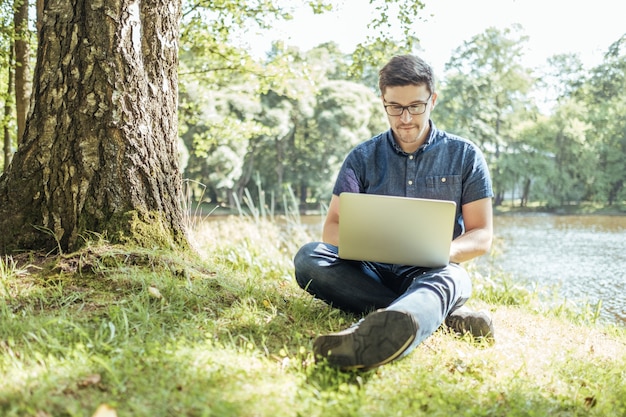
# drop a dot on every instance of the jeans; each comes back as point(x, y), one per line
point(429, 294)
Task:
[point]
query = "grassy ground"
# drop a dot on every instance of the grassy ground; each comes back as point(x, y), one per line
point(228, 333)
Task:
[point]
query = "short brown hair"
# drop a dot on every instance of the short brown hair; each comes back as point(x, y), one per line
point(404, 70)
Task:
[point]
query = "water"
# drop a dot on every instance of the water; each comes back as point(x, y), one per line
point(585, 256)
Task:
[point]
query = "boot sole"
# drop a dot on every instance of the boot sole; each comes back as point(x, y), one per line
point(379, 339)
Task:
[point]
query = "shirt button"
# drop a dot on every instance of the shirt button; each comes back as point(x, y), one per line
point(410, 156)
point(410, 182)
point(443, 179)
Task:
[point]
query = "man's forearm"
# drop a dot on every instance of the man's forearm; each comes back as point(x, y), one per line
point(470, 245)
point(330, 233)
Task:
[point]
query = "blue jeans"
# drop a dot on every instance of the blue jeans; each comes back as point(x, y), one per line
point(429, 294)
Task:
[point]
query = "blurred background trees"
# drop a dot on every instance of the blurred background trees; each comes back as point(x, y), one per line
point(282, 123)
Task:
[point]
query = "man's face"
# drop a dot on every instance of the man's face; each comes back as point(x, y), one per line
point(409, 130)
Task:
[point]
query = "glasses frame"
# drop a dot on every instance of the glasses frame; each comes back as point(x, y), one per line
point(407, 108)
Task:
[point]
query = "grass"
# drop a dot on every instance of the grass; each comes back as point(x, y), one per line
point(227, 332)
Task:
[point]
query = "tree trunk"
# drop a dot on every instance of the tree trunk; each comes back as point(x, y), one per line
point(39, 18)
point(22, 65)
point(526, 192)
point(8, 110)
point(100, 146)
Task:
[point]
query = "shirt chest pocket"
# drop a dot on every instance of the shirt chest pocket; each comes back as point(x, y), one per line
point(444, 187)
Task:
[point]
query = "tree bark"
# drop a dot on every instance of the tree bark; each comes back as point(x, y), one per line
point(100, 145)
point(39, 16)
point(8, 110)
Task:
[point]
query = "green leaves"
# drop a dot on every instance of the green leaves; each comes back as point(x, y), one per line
point(290, 117)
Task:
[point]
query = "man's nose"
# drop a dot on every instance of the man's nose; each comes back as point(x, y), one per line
point(405, 116)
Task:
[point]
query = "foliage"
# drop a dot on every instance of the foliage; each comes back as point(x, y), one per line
point(216, 126)
point(293, 135)
point(606, 99)
point(574, 154)
point(484, 95)
point(285, 121)
point(564, 76)
point(393, 25)
point(278, 144)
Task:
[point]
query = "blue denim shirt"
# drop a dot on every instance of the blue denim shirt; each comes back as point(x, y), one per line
point(445, 167)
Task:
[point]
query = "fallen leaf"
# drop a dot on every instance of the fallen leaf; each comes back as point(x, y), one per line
point(590, 402)
point(90, 380)
point(154, 292)
point(105, 410)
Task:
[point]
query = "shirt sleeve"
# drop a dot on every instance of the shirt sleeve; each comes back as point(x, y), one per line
point(348, 177)
point(477, 180)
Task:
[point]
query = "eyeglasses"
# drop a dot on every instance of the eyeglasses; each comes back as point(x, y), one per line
point(413, 109)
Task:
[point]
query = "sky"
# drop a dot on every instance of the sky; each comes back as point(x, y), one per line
point(553, 27)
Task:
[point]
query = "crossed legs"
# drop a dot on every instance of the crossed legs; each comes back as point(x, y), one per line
point(421, 297)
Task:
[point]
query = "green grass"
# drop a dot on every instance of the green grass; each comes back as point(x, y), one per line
point(227, 332)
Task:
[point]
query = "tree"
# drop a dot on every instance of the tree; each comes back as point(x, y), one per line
point(345, 114)
point(606, 98)
point(100, 145)
point(222, 86)
point(564, 76)
point(22, 64)
point(394, 18)
point(8, 111)
point(368, 58)
point(485, 95)
point(216, 126)
point(6, 80)
point(214, 58)
point(15, 51)
point(574, 160)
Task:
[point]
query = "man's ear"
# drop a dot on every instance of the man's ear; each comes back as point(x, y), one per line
point(434, 99)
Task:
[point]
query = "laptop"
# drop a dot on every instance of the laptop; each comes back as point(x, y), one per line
point(396, 230)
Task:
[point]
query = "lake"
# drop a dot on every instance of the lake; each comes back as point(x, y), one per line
point(583, 256)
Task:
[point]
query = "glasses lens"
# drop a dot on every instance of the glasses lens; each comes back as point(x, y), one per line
point(394, 110)
point(417, 109)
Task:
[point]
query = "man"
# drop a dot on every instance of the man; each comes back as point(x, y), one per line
point(412, 159)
